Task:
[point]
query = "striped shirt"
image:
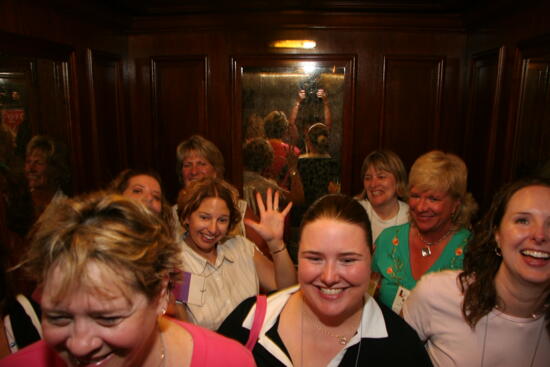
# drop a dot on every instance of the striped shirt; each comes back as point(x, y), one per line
point(225, 284)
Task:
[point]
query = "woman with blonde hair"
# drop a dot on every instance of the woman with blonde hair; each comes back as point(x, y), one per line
point(384, 188)
point(105, 263)
point(440, 210)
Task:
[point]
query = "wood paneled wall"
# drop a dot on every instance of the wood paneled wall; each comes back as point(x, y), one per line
point(419, 82)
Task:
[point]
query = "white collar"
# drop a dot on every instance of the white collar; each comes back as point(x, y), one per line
point(221, 255)
point(372, 322)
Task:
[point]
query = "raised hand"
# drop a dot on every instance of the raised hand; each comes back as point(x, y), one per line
point(272, 221)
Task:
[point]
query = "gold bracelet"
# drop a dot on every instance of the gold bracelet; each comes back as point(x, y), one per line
point(279, 250)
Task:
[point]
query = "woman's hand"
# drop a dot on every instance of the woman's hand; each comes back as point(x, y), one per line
point(272, 221)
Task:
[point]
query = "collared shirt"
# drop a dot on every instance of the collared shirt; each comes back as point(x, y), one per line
point(372, 325)
point(225, 284)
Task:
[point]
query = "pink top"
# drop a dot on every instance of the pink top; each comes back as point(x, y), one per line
point(209, 349)
point(434, 310)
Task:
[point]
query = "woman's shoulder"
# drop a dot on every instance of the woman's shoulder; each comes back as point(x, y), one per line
point(213, 349)
point(402, 338)
point(438, 282)
point(400, 230)
point(36, 355)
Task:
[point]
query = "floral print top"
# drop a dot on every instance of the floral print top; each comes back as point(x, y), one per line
point(391, 259)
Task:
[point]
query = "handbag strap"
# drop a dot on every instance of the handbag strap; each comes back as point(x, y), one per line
point(259, 315)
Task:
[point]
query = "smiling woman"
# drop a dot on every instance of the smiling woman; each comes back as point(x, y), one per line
point(222, 269)
point(497, 311)
point(440, 209)
point(104, 263)
point(329, 319)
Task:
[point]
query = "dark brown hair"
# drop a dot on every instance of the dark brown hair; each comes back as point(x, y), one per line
point(339, 207)
point(481, 262)
point(120, 184)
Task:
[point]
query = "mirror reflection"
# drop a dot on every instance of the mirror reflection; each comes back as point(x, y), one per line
point(292, 131)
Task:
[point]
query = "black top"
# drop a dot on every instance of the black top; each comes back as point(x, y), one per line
point(402, 347)
point(316, 173)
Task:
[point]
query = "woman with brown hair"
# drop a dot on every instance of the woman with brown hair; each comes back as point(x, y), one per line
point(222, 269)
point(384, 188)
point(145, 186)
point(497, 311)
point(328, 319)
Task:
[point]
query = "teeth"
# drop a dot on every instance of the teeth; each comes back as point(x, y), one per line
point(208, 237)
point(536, 254)
point(331, 290)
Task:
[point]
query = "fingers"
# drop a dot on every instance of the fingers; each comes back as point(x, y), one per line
point(286, 210)
point(276, 201)
point(260, 202)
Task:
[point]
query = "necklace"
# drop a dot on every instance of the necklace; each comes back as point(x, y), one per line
point(427, 250)
point(541, 328)
point(163, 352)
point(344, 341)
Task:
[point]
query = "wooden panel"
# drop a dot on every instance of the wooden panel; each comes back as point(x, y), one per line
point(532, 125)
point(484, 99)
point(108, 142)
point(412, 92)
point(179, 103)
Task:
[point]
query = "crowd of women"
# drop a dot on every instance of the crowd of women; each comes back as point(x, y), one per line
point(397, 275)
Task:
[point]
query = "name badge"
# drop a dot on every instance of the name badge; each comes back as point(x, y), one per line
point(191, 289)
point(400, 298)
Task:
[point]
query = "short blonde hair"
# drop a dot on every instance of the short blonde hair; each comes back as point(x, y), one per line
point(204, 147)
point(447, 172)
point(386, 160)
point(115, 232)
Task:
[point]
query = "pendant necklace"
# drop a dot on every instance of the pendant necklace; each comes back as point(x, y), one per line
point(342, 339)
point(427, 249)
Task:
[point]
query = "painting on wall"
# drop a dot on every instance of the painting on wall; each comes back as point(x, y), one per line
point(13, 107)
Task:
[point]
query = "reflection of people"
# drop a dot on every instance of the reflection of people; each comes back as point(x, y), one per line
point(105, 263)
point(226, 270)
point(305, 112)
point(276, 128)
point(145, 186)
point(46, 171)
point(440, 209)
point(329, 319)
point(257, 157)
point(384, 184)
point(497, 311)
point(317, 168)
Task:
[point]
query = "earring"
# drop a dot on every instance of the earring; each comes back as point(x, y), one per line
point(498, 251)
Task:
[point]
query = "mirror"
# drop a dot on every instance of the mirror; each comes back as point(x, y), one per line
point(311, 95)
